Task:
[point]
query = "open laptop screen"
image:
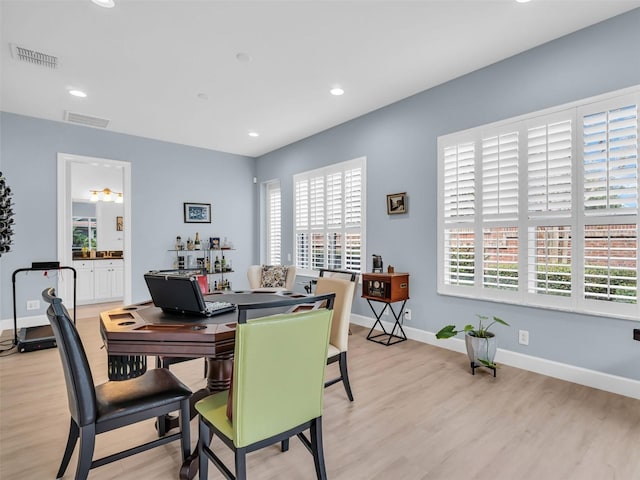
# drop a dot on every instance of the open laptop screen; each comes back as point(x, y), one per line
point(176, 293)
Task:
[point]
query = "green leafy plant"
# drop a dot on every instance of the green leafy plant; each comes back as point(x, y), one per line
point(481, 331)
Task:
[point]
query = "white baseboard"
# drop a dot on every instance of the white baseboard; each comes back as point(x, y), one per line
point(570, 373)
point(24, 322)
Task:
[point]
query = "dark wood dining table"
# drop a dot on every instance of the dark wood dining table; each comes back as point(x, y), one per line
point(145, 330)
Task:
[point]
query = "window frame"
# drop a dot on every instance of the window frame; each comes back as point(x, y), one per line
point(527, 219)
point(310, 217)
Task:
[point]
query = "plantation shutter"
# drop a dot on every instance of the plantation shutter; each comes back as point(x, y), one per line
point(500, 177)
point(459, 197)
point(610, 149)
point(302, 223)
point(316, 202)
point(459, 183)
point(500, 205)
point(549, 163)
point(274, 224)
point(330, 217)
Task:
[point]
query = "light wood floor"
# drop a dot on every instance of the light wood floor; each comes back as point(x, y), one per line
point(418, 414)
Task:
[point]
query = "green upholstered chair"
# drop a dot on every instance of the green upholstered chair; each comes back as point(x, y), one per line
point(277, 390)
point(339, 341)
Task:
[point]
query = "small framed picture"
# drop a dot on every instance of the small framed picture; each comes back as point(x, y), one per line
point(119, 224)
point(397, 203)
point(197, 213)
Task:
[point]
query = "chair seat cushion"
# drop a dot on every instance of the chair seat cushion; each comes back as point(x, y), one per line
point(155, 388)
point(214, 410)
point(333, 351)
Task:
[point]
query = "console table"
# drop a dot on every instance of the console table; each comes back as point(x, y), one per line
point(387, 288)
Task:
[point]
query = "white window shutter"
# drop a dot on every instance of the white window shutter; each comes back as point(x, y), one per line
point(459, 183)
point(274, 223)
point(500, 177)
point(549, 166)
point(610, 150)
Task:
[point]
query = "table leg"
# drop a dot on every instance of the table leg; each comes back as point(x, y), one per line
point(219, 369)
point(391, 337)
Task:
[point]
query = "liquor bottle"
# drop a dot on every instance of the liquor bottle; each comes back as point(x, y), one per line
point(208, 264)
point(216, 265)
point(197, 242)
point(223, 264)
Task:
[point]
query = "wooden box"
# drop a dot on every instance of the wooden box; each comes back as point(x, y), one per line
point(385, 287)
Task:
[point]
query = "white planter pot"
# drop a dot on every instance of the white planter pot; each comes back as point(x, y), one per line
point(480, 348)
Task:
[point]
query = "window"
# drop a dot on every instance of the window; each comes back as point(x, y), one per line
point(84, 234)
point(329, 217)
point(273, 223)
point(542, 210)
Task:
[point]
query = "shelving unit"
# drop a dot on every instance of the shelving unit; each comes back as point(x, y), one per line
point(197, 260)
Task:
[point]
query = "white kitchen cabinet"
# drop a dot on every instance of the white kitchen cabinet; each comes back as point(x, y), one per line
point(99, 280)
point(108, 279)
point(84, 281)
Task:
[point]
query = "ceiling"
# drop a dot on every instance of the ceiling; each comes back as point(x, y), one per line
point(177, 70)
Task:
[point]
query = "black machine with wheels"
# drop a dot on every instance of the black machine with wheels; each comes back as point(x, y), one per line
point(37, 338)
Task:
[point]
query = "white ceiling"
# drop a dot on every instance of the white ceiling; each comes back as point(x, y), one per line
point(144, 63)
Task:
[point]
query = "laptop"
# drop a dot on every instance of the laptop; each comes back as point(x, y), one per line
point(175, 293)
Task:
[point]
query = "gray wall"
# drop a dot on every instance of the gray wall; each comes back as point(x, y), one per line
point(164, 175)
point(399, 142)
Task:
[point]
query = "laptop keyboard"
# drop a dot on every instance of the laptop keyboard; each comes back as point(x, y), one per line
point(215, 308)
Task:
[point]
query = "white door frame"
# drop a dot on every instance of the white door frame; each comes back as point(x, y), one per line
point(65, 220)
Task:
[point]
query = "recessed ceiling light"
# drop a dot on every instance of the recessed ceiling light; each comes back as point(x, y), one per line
point(105, 3)
point(254, 134)
point(77, 93)
point(523, 1)
point(337, 91)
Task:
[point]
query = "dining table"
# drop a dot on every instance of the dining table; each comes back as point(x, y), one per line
point(133, 332)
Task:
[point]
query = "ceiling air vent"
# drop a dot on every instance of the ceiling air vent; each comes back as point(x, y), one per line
point(33, 56)
point(85, 119)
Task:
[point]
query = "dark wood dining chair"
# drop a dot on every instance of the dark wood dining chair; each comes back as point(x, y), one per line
point(101, 408)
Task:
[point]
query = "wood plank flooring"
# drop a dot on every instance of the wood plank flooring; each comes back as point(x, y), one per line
point(418, 414)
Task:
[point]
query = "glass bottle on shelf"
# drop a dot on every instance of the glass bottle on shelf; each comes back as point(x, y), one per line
point(217, 265)
point(197, 245)
point(207, 265)
point(223, 264)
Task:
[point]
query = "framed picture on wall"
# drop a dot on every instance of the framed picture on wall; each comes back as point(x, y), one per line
point(397, 203)
point(197, 213)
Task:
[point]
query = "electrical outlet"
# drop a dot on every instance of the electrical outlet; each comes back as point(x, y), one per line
point(407, 314)
point(33, 304)
point(523, 337)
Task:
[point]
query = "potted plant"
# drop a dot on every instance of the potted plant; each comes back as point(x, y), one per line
point(480, 342)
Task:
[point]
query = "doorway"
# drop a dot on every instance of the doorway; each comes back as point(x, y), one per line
point(70, 191)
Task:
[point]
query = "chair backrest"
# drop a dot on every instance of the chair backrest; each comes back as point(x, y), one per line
point(345, 274)
point(278, 376)
point(255, 275)
point(77, 374)
point(341, 308)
